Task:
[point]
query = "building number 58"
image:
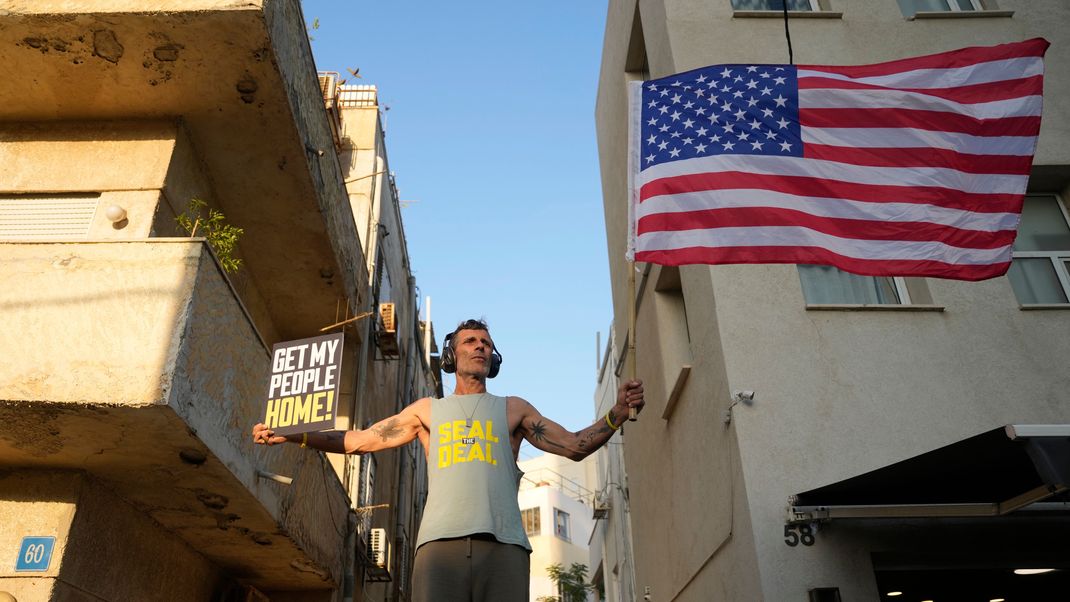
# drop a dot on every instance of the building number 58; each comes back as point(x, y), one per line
point(796, 534)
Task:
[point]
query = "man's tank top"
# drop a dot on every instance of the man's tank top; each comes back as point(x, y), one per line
point(472, 478)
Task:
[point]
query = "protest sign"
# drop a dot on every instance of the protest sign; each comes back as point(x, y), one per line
point(303, 388)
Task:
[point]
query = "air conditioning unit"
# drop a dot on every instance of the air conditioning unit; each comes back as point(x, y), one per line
point(387, 337)
point(389, 317)
point(377, 547)
point(601, 507)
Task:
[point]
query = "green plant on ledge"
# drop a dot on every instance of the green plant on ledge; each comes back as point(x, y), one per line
point(221, 236)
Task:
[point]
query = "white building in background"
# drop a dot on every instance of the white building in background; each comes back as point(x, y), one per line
point(556, 503)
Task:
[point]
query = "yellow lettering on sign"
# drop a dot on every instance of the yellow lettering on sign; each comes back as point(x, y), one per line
point(302, 409)
point(317, 406)
point(272, 413)
point(286, 411)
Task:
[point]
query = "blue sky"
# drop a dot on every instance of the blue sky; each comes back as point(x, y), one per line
point(491, 131)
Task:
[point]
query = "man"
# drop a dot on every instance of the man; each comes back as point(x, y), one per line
point(472, 544)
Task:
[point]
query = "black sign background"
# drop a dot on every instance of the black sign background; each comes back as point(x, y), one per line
point(303, 390)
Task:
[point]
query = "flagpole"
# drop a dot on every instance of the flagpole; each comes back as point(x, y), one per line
point(632, 413)
point(634, 127)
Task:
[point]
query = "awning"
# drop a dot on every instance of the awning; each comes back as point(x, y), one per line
point(991, 474)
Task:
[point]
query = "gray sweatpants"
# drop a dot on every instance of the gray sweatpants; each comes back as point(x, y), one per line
point(470, 569)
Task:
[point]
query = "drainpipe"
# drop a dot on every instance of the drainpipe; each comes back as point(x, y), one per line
point(427, 334)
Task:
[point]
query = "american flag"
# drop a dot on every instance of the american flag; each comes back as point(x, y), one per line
point(916, 167)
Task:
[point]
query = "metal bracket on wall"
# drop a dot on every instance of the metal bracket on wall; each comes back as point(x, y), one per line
point(738, 397)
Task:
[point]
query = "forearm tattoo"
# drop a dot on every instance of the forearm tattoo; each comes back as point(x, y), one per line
point(538, 433)
point(388, 430)
point(596, 431)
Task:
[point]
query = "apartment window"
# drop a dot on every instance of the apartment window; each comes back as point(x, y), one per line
point(775, 5)
point(562, 528)
point(1040, 272)
point(826, 285)
point(530, 517)
point(911, 7)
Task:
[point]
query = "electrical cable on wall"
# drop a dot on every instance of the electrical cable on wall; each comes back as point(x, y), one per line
point(787, 33)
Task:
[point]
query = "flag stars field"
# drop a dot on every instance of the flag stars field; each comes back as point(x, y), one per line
point(684, 97)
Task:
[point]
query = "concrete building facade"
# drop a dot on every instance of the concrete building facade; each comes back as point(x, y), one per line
point(134, 364)
point(389, 487)
point(759, 395)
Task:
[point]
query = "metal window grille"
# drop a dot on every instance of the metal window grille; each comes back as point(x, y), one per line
point(357, 96)
point(531, 517)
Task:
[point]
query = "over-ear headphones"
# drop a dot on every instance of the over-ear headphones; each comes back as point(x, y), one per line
point(448, 361)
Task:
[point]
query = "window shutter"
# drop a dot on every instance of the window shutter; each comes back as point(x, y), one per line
point(48, 217)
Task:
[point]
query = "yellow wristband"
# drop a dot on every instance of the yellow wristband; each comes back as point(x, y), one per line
point(304, 439)
point(610, 422)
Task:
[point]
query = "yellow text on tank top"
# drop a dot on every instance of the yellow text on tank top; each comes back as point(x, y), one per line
point(458, 444)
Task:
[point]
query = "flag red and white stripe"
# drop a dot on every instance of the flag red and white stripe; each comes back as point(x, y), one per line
point(916, 167)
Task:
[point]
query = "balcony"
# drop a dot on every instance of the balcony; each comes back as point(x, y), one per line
point(135, 362)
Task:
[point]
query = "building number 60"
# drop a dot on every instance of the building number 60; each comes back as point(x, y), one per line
point(34, 553)
point(796, 534)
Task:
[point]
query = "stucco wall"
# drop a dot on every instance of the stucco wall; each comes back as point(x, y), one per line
point(121, 6)
point(108, 533)
point(35, 505)
point(294, 56)
point(96, 533)
point(152, 383)
point(838, 393)
point(220, 373)
point(124, 162)
point(99, 333)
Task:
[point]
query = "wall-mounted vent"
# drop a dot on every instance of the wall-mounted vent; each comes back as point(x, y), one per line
point(46, 216)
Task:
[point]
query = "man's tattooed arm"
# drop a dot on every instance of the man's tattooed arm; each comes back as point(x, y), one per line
point(576, 446)
point(388, 429)
point(537, 429)
point(551, 437)
point(594, 435)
